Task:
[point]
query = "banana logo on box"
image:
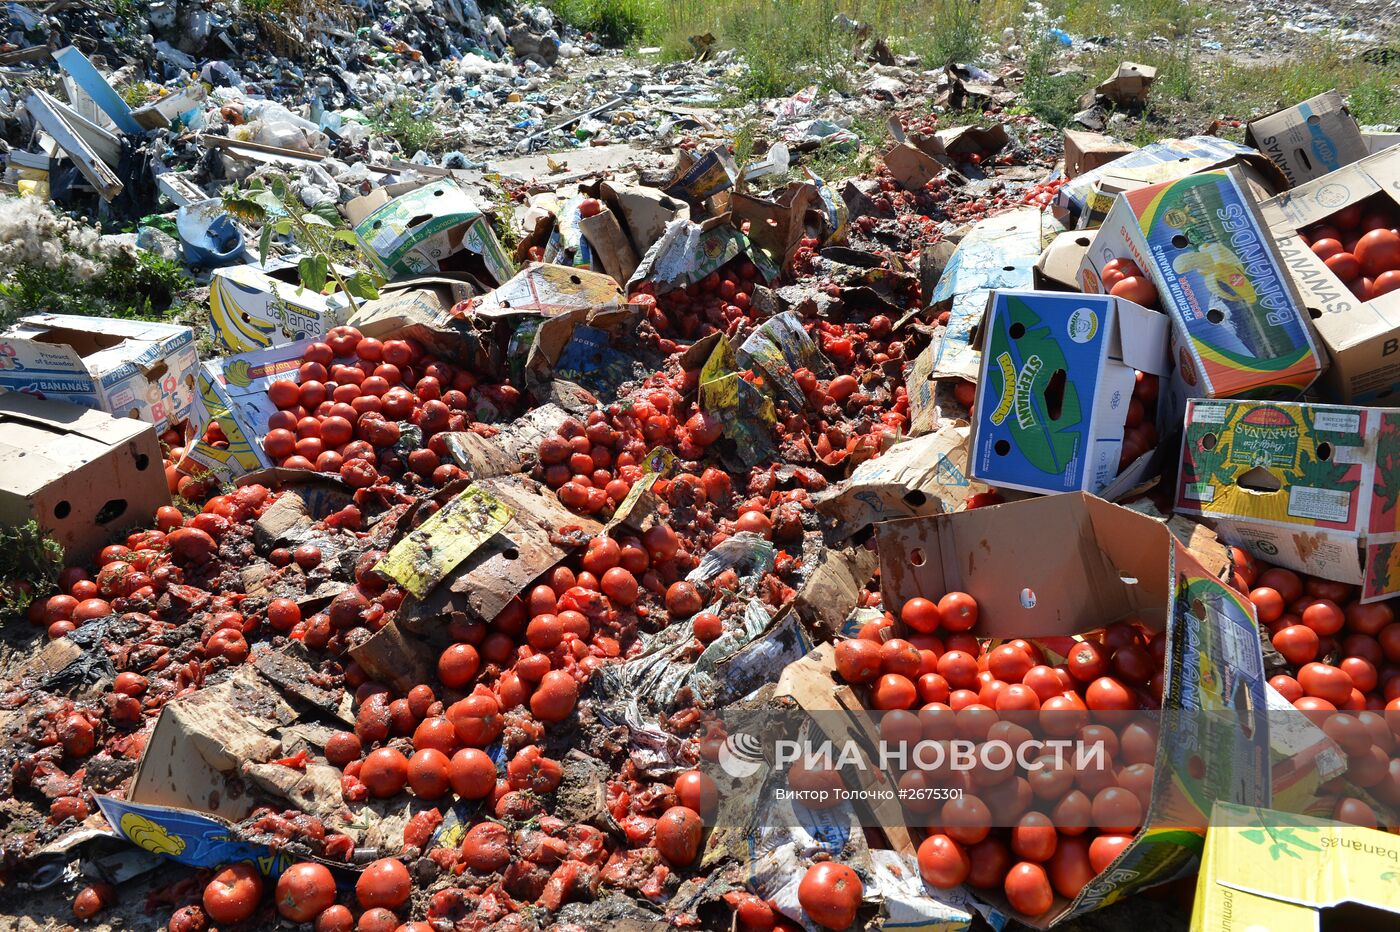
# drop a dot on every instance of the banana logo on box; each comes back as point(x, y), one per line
point(1220, 269)
point(150, 835)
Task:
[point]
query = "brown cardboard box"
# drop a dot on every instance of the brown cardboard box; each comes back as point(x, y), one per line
point(82, 474)
point(1310, 139)
point(1130, 84)
point(1057, 268)
point(1362, 337)
point(1087, 151)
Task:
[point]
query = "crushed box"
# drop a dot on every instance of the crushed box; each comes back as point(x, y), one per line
point(81, 474)
point(1362, 337)
point(128, 368)
point(251, 307)
point(1310, 139)
point(1240, 328)
point(1267, 870)
point(434, 228)
point(1057, 566)
point(1310, 487)
point(1056, 381)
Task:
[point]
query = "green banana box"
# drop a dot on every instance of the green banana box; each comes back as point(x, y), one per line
point(1315, 488)
point(1057, 376)
point(233, 392)
point(1240, 327)
point(434, 228)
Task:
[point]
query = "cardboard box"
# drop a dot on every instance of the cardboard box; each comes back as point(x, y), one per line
point(233, 391)
point(434, 228)
point(1129, 84)
point(1056, 566)
point(1201, 152)
point(251, 307)
point(1310, 139)
point(1085, 152)
point(1057, 377)
point(1362, 337)
point(1240, 328)
point(82, 474)
point(1263, 869)
point(128, 368)
point(1310, 487)
point(1058, 265)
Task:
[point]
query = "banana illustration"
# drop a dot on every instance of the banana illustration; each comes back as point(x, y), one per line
point(149, 835)
point(238, 373)
point(1220, 269)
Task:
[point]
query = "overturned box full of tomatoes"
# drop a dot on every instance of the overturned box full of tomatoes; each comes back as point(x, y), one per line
point(1338, 239)
point(1309, 487)
point(1139, 625)
point(1202, 249)
point(1067, 392)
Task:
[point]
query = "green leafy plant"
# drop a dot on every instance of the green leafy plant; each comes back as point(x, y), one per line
point(320, 233)
point(30, 562)
point(400, 122)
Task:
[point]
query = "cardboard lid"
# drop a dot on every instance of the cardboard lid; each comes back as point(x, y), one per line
point(43, 440)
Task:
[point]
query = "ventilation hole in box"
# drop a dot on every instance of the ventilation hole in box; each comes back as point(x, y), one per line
point(1259, 479)
point(1016, 330)
point(419, 220)
point(1082, 241)
point(1215, 315)
point(142, 461)
point(916, 557)
point(1008, 268)
point(1055, 395)
point(1208, 442)
point(1180, 241)
point(1314, 313)
point(510, 553)
point(1002, 447)
point(1028, 598)
point(1324, 451)
point(111, 511)
point(1129, 580)
point(62, 510)
point(439, 192)
point(1314, 119)
point(915, 499)
point(575, 279)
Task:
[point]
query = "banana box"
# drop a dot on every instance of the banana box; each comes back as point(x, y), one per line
point(251, 307)
point(128, 368)
point(1315, 488)
point(232, 391)
point(1240, 327)
point(1268, 870)
point(1055, 387)
point(439, 227)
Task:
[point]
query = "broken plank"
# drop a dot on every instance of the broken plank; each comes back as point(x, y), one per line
point(89, 163)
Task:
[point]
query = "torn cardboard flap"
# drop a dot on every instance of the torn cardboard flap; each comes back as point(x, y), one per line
point(421, 308)
point(776, 224)
point(644, 212)
point(1129, 85)
point(396, 659)
point(921, 476)
point(1058, 265)
point(548, 290)
point(963, 141)
point(1309, 139)
point(428, 553)
point(610, 245)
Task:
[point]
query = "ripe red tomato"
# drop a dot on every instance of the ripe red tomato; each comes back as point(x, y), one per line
point(1324, 681)
point(1034, 837)
point(1069, 866)
point(555, 698)
point(1267, 603)
point(829, 894)
point(1378, 251)
point(304, 890)
point(921, 615)
point(384, 772)
point(698, 792)
point(942, 862)
point(894, 691)
point(1297, 643)
point(958, 611)
point(472, 774)
point(384, 883)
point(1285, 582)
point(428, 773)
point(1136, 288)
point(1028, 889)
point(678, 833)
point(233, 893)
point(458, 665)
point(1103, 849)
point(858, 660)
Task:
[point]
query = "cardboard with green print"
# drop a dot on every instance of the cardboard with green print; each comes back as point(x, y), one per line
point(1056, 381)
point(1315, 488)
point(1055, 567)
point(1274, 870)
point(1240, 328)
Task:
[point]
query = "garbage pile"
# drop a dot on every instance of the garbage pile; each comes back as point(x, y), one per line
point(986, 538)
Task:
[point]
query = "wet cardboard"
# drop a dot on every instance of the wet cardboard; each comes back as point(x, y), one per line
point(1199, 153)
point(1309, 139)
point(1061, 565)
point(1362, 337)
point(83, 475)
point(1056, 380)
point(128, 368)
point(1310, 487)
point(1085, 152)
point(1263, 869)
point(545, 289)
point(438, 227)
point(421, 308)
point(1240, 328)
point(251, 307)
